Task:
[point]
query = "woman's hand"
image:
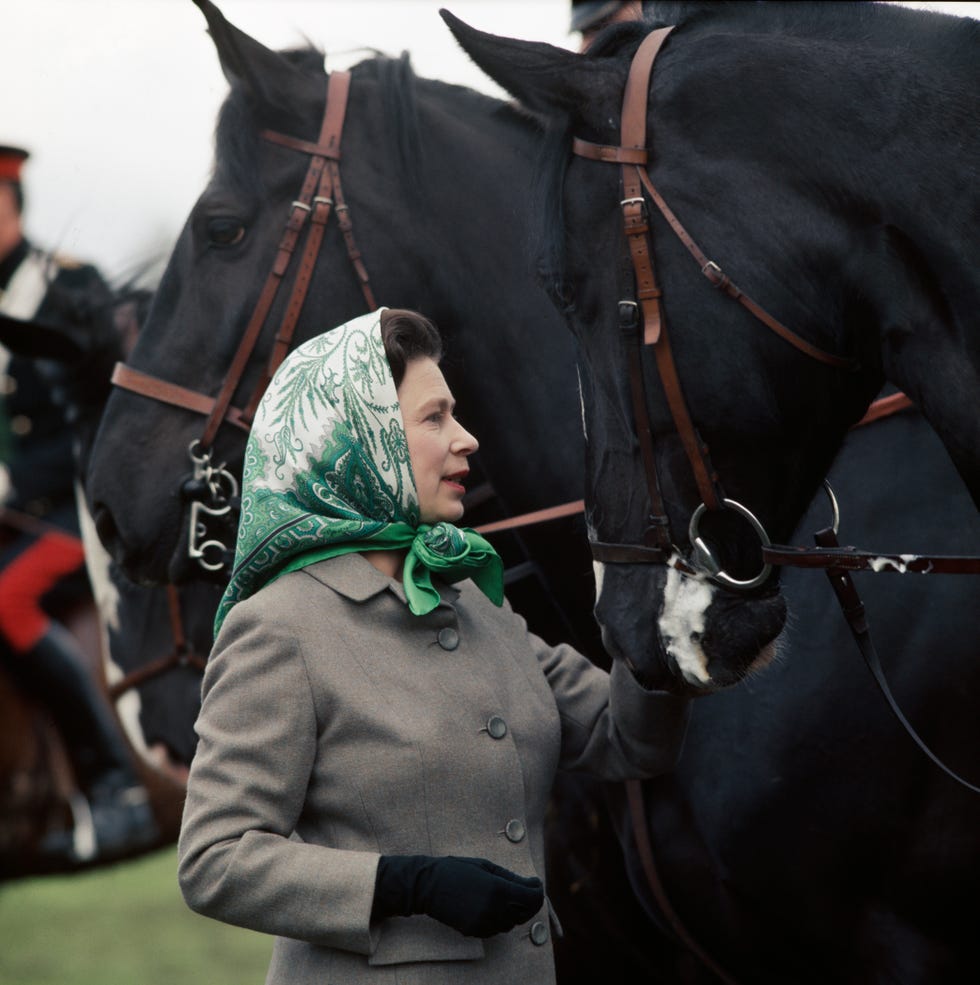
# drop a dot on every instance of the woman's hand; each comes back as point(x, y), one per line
point(471, 895)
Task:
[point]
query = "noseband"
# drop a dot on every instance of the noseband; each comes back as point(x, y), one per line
point(632, 156)
point(213, 490)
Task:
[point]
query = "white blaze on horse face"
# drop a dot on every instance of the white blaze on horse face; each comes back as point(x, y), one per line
point(107, 601)
point(681, 623)
point(599, 571)
point(581, 403)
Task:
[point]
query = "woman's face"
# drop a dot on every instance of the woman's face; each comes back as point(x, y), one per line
point(438, 444)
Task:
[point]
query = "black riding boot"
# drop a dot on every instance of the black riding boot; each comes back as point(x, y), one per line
point(114, 817)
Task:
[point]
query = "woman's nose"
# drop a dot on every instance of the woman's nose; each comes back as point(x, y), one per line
point(464, 442)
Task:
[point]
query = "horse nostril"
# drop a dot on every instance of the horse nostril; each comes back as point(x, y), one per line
point(105, 527)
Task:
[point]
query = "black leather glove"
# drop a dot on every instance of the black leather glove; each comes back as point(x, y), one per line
point(471, 895)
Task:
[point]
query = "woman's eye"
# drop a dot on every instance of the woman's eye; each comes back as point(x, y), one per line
point(225, 231)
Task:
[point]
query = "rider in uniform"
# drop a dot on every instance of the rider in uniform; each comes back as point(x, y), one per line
point(40, 552)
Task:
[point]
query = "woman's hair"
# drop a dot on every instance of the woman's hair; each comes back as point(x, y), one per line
point(407, 335)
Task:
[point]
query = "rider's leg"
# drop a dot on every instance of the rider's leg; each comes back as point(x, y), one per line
point(45, 660)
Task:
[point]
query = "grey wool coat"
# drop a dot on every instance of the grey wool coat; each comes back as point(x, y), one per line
point(336, 727)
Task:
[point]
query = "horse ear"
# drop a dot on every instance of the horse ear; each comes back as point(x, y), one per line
point(36, 340)
point(546, 80)
point(268, 77)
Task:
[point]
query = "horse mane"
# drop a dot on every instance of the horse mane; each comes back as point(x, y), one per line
point(400, 89)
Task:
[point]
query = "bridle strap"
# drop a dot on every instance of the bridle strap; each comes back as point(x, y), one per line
point(632, 155)
point(182, 655)
point(136, 381)
point(330, 132)
point(644, 847)
point(319, 194)
point(894, 403)
point(851, 559)
point(722, 282)
point(633, 150)
point(633, 140)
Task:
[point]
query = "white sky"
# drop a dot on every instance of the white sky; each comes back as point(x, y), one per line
point(117, 99)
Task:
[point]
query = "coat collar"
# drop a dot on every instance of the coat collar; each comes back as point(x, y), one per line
point(354, 577)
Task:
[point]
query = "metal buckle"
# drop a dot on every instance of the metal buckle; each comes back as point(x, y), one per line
point(629, 314)
point(705, 561)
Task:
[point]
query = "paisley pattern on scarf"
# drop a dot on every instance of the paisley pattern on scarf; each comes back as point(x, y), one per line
point(327, 472)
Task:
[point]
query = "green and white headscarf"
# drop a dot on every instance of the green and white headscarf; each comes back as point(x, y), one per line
point(327, 472)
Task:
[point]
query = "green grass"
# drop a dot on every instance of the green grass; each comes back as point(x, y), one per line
point(123, 925)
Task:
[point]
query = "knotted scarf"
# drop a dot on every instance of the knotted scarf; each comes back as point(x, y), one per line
point(327, 472)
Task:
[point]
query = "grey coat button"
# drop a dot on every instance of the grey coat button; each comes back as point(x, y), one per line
point(496, 726)
point(539, 933)
point(514, 830)
point(448, 638)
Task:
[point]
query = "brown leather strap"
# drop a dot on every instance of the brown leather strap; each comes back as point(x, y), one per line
point(635, 224)
point(136, 381)
point(608, 153)
point(644, 847)
point(353, 253)
point(176, 619)
point(154, 669)
point(303, 146)
point(722, 282)
point(627, 553)
point(657, 533)
point(529, 519)
point(182, 655)
point(884, 407)
point(335, 109)
point(851, 559)
point(633, 136)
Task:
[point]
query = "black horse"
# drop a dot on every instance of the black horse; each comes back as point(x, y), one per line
point(436, 180)
point(824, 154)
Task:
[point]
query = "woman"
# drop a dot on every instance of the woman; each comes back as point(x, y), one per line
point(379, 736)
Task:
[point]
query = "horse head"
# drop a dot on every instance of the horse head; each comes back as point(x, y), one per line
point(434, 185)
point(793, 142)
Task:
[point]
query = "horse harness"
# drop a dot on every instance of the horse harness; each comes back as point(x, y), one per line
point(632, 154)
point(213, 490)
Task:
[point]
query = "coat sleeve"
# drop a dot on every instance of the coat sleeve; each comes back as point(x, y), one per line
point(611, 726)
point(257, 732)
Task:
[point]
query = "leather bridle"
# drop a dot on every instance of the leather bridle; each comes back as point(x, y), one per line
point(632, 156)
point(213, 489)
point(658, 544)
point(642, 302)
point(643, 297)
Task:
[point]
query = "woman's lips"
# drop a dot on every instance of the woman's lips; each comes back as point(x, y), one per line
point(455, 481)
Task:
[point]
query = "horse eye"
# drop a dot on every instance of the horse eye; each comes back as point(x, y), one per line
point(225, 231)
